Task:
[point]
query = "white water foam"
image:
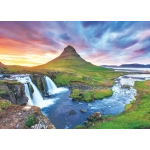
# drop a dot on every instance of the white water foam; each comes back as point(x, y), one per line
point(52, 88)
point(37, 99)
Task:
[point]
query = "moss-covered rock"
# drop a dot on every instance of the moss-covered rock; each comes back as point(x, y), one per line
point(13, 91)
point(4, 104)
point(90, 95)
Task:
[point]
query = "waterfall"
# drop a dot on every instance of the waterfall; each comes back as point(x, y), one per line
point(28, 94)
point(37, 97)
point(51, 87)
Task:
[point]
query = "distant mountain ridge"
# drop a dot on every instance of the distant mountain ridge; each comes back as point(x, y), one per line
point(129, 66)
point(1, 64)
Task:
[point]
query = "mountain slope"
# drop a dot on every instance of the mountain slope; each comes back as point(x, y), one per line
point(70, 60)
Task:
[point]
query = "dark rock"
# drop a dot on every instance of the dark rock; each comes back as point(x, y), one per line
point(90, 118)
point(39, 81)
point(83, 110)
point(97, 115)
point(72, 112)
point(85, 122)
point(82, 86)
point(94, 117)
point(15, 93)
point(126, 87)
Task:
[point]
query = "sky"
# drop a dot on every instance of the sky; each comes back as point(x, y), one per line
point(99, 42)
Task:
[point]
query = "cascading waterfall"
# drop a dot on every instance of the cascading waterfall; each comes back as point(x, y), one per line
point(37, 97)
point(28, 94)
point(51, 87)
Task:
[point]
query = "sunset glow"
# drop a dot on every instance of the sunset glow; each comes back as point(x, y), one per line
point(110, 43)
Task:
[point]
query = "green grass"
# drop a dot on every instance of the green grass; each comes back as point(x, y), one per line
point(90, 95)
point(9, 82)
point(129, 106)
point(136, 115)
point(4, 104)
point(30, 121)
point(2, 92)
point(79, 127)
point(64, 79)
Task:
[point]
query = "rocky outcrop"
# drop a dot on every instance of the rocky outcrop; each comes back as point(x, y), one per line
point(83, 86)
point(14, 92)
point(83, 110)
point(21, 117)
point(39, 81)
point(93, 118)
point(31, 90)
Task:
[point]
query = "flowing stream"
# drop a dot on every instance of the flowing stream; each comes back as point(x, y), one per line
point(65, 113)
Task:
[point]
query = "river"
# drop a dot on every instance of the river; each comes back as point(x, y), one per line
point(65, 113)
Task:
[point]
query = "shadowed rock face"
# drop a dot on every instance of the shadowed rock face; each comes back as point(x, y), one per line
point(14, 92)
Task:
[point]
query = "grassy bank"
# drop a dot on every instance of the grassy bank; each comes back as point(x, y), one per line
point(90, 95)
point(136, 115)
point(99, 77)
point(4, 104)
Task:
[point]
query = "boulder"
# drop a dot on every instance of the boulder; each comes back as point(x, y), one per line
point(85, 122)
point(83, 110)
point(90, 118)
point(97, 115)
point(72, 112)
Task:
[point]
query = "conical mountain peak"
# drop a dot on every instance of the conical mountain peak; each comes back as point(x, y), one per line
point(69, 51)
point(69, 58)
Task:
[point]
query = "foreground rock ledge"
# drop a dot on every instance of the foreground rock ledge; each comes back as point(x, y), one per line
point(15, 117)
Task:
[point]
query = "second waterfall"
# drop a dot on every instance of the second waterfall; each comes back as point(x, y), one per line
point(51, 87)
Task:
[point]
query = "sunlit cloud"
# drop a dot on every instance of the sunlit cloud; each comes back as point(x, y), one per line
point(102, 42)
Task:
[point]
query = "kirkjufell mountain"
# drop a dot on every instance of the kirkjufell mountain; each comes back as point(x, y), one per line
point(68, 59)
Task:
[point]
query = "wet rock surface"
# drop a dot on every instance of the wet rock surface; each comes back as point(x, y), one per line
point(72, 112)
point(83, 110)
point(91, 119)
